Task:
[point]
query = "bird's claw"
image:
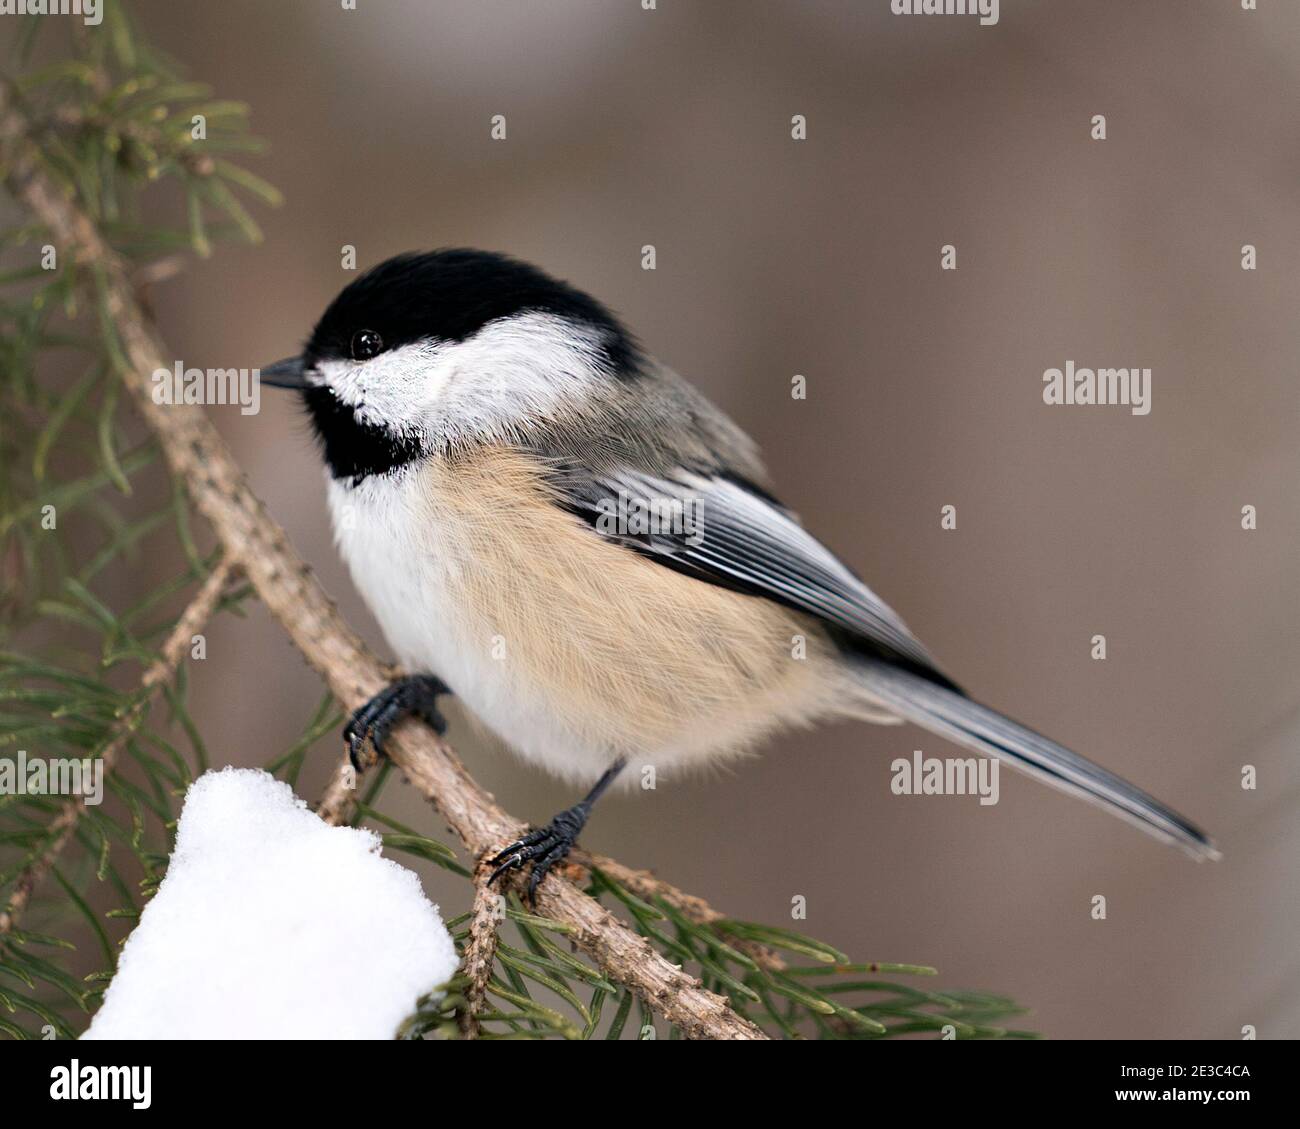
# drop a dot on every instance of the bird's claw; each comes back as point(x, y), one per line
point(369, 726)
point(543, 847)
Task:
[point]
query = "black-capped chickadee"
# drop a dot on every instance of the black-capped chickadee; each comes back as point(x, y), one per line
point(573, 539)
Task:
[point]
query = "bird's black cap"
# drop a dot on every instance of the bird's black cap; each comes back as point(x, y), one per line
point(453, 293)
point(448, 295)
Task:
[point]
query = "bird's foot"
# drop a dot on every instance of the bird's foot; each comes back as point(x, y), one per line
point(416, 695)
point(543, 848)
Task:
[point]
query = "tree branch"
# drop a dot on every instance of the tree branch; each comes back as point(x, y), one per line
point(64, 825)
point(198, 457)
point(652, 888)
point(480, 951)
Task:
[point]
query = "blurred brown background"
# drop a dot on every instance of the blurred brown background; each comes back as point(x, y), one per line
point(672, 127)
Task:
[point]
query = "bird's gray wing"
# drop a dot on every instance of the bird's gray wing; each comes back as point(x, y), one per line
point(723, 530)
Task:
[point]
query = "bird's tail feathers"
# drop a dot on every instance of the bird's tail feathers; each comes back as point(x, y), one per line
point(960, 719)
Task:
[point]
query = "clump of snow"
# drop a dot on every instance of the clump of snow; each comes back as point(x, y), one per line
point(270, 924)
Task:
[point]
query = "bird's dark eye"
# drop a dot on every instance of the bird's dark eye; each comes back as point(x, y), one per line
point(366, 343)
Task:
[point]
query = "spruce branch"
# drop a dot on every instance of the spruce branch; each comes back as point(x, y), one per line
point(692, 907)
point(173, 650)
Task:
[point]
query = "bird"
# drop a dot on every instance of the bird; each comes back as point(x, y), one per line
point(567, 535)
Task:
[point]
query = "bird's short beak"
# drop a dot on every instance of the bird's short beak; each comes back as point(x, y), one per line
point(288, 373)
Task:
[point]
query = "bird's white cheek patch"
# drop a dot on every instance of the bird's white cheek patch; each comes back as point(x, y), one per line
point(439, 376)
point(516, 367)
point(396, 388)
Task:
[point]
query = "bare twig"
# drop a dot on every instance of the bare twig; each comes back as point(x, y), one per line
point(161, 670)
point(198, 457)
point(480, 950)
